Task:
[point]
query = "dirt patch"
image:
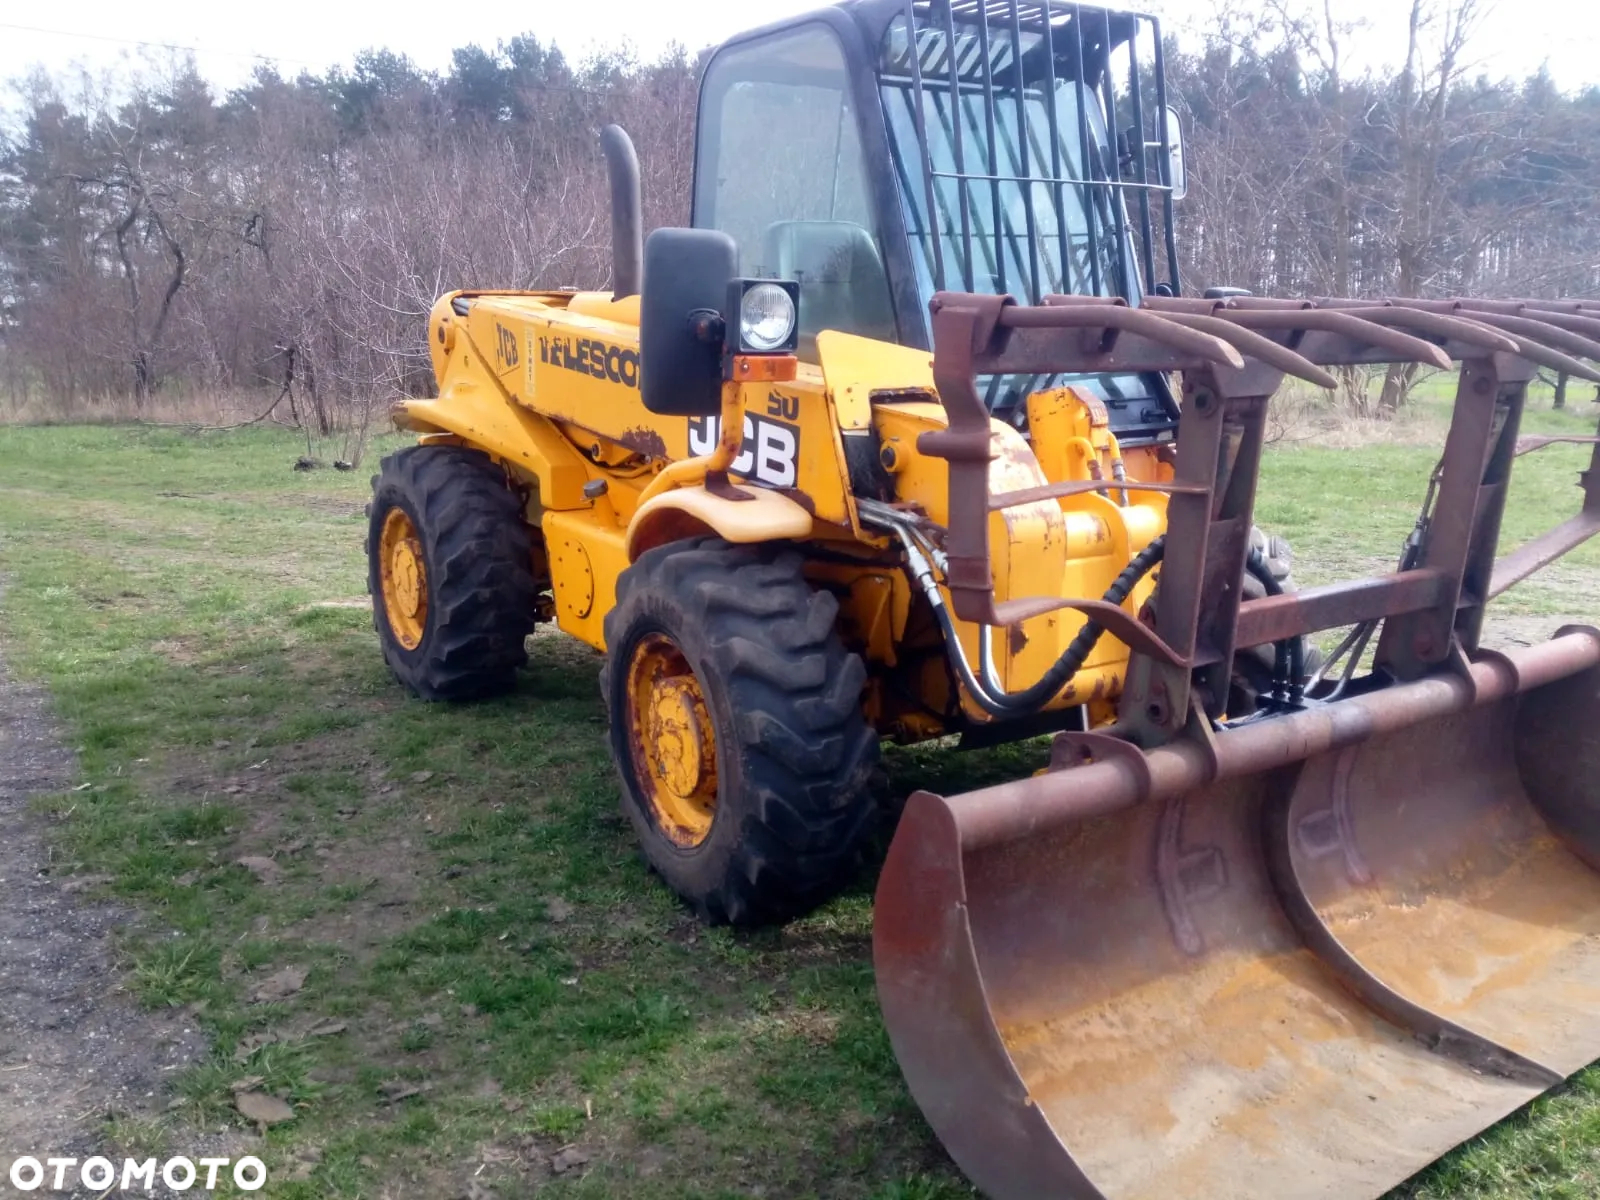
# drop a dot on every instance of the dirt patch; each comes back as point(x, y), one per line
point(387, 872)
point(1556, 587)
point(332, 506)
point(1509, 632)
point(74, 1049)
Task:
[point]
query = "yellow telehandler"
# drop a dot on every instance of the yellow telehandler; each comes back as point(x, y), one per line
point(908, 437)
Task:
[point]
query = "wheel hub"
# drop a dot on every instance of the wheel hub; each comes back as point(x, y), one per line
point(676, 727)
point(673, 741)
point(404, 577)
point(407, 573)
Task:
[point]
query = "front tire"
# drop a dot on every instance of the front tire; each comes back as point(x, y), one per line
point(1255, 667)
point(737, 729)
point(450, 570)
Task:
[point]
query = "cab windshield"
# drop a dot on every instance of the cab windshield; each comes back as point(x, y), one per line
point(998, 154)
point(781, 170)
point(1004, 169)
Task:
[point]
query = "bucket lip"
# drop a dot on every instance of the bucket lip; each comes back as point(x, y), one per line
point(935, 1009)
point(1020, 808)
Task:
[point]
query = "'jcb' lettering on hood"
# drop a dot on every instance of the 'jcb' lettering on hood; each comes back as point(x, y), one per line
point(591, 356)
point(769, 453)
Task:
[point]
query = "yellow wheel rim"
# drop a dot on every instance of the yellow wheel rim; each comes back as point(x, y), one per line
point(674, 745)
point(404, 578)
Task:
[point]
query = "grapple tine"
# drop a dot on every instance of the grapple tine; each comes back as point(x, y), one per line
point(1569, 316)
point(1253, 314)
point(1469, 334)
point(1307, 970)
point(1536, 340)
point(1257, 346)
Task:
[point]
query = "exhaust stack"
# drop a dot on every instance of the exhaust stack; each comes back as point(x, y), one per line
point(627, 212)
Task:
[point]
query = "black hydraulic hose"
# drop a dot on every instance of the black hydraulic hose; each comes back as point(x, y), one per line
point(1288, 659)
point(1088, 637)
point(947, 629)
point(1289, 655)
point(1030, 699)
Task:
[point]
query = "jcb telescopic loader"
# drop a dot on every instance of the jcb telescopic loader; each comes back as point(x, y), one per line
point(1264, 928)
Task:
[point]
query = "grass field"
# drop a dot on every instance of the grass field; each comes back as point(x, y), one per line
point(498, 995)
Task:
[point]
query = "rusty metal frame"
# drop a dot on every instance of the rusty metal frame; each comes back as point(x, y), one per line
point(1543, 550)
point(1232, 355)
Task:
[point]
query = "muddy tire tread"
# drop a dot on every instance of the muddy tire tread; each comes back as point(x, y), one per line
point(478, 550)
point(806, 750)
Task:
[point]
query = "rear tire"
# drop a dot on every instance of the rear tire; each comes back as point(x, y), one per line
point(737, 729)
point(449, 567)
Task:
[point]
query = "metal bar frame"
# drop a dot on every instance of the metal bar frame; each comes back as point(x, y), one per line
point(1108, 99)
point(992, 28)
point(1169, 224)
point(1432, 613)
point(967, 273)
point(919, 117)
point(1090, 240)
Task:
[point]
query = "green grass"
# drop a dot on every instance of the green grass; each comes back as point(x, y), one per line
point(1348, 511)
point(457, 881)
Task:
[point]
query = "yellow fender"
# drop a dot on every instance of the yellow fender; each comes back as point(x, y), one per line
point(694, 512)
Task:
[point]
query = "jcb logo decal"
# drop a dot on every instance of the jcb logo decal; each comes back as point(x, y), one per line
point(769, 453)
point(591, 356)
point(505, 347)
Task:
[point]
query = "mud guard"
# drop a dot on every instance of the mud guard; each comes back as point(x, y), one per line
point(750, 514)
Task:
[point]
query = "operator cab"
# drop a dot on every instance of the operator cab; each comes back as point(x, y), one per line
point(883, 150)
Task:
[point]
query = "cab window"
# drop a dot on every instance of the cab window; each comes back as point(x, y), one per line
point(780, 169)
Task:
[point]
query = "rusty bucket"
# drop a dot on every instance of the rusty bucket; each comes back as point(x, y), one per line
point(1300, 960)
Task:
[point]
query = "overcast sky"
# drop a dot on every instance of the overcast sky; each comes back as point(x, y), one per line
point(230, 39)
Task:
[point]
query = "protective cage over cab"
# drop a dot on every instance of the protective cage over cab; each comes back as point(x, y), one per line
point(1019, 150)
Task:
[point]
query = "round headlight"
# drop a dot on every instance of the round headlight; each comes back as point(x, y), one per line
point(766, 317)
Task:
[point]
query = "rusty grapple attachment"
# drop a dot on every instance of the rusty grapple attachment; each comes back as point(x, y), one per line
point(1300, 954)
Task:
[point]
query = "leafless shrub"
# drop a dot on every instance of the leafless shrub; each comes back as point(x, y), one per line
point(158, 246)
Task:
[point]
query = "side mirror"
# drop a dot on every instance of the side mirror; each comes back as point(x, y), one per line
point(1177, 172)
point(696, 314)
point(686, 277)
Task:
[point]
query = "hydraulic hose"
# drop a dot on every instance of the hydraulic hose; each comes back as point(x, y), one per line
point(985, 689)
point(1017, 704)
point(1077, 653)
point(1289, 655)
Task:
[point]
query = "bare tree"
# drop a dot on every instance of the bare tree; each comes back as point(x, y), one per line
point(155, 239)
